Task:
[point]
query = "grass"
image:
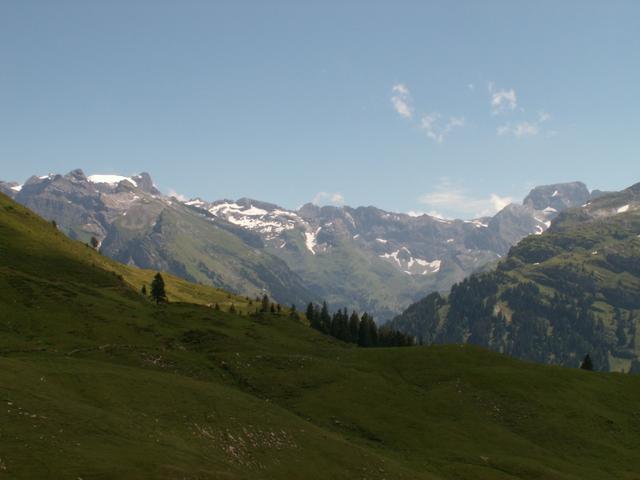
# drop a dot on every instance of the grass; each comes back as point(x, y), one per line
point(97, 382)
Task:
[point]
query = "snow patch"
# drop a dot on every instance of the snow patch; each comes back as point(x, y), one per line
point(16, 188)
point(311, 240)
point(550, 210)
point(428, 267)
point(555, 193)
point(110, 179)
point(477, 223)
point(624, 208)
point(381, 240)
point(253, 218)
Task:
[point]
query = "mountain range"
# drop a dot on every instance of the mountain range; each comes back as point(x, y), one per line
point(99, 381)
point(362, 258)
point(556, 297)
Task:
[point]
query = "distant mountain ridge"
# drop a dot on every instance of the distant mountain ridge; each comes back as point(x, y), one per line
point(556, 297)
point(360, 258)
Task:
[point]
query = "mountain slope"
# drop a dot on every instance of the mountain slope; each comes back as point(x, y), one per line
point(96, 382)
point(136, 225)
point(362, 258)
point(372, 260)
point(556, 297)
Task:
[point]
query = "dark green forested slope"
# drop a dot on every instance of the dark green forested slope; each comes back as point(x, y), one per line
point(557, 296)
point(97, 382)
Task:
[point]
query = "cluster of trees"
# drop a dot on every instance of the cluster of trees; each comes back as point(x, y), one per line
point(355, 329)
point(267, 306)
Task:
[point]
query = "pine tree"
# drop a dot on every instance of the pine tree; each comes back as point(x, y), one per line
point(364, 339)
point(265, 303)
point(273, 308)
point(144, 290)
point(335, 324)
point(354, 325)
point(586, 363)
point(232, 308)
point(94, 243)
point(309, 312)
point(344, 332)
point(373, 333)
point(157, 289)
point(325, 318)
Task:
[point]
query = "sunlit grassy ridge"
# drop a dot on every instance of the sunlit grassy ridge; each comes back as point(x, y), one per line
point(97, 382)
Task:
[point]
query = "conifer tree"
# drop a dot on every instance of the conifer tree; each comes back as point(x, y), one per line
point(309, 312)
point(364, 339)
point(94, 243)
point(157, 289)
point(373, 333)
point(144, 290)
point(265, 303)
point(325, 318)
point(586, 363)
point(354, 324)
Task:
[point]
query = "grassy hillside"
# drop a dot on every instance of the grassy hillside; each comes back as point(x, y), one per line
point(97, 382)
point(557, 296)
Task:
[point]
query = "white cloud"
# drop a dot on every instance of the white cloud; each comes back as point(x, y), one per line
point(519, 130)
point(328, 198)
point(543, 116)
point(401, 100)
point(452, 197)
point(436, 130)
point(526, 128)
point(502, 101)
point(178, 196)
point(498, 202)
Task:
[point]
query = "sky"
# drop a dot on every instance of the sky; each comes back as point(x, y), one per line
point(449, 108)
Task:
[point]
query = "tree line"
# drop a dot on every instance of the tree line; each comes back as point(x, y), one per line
point(352, 328)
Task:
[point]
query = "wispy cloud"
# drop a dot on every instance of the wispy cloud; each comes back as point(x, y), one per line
point(452, 197)
point(525, 128)
point(502, 101)
point(435, 126)
point(436, 129)
point(328, 198)
point(178, 196)
point(401, 100)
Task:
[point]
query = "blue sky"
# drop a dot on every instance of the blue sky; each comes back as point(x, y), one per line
point(448, 107)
